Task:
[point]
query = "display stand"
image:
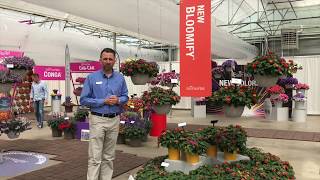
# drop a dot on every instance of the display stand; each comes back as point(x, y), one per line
point(299, 113)
point(56, 104)
point(280, 114)
point(198, 109)
point(159, 124)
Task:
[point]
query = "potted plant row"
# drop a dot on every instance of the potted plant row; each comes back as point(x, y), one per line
point(59, 124)
point(230, 140)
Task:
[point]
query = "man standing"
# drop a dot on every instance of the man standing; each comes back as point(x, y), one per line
point(104, 91)
point(39, 96)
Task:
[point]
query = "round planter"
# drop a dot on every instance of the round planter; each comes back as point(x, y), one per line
point(134, 142)
point(68, 135)
point(174, 154)
point(140, 79)
point(56, 132)
point(232, 111)
point(121, 139)
point(192, 158)
point(230, 156)
point(278, 104)
point(299, 104)
point(13, 135)
point(266, 81)
point(301, 91)
point(163, 109)
point(212, 151)
point(5, 88)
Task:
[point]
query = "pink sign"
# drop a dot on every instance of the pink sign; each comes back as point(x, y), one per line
point(6, 53)
point(85, 66)
point(51, 72)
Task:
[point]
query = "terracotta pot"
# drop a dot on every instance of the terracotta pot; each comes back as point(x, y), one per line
point(192, 158)
point(212, 151)
point(56, 132)
point(230, 156)
point(174, 154)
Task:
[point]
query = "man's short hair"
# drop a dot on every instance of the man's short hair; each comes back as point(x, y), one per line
point(108, 50)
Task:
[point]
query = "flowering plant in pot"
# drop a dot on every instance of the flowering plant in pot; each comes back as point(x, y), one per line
point(54, 123)
point(139, 70)
point(231, 139)
point(234, 98)
point(288, 82)
point(268, 68)
point(299, 97)
point(135, 133)
point(15, 127)
point(166, 79)
point(77, 91)
point(194, 146)
point(160, 99)
point(81, 115)
point(217, 72)
point(68, 105)
point(301, 88)
point(135, 104)
point(24, 62)
point(229, 65)
point(282, 98)
point(171, 139)
point(68, 127)
point(209, 135)
point(275, 91)
point(80, 80)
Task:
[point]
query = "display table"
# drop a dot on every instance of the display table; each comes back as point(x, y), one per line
point(159, 124)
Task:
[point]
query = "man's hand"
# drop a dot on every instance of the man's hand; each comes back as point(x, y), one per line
point(112, 100)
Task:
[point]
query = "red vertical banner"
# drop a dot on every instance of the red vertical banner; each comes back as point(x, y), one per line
point(195, 48)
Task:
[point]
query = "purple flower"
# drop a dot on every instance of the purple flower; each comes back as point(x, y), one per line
point(287, 81)
point(229, 63)
point(299, 97)
point(20, 62)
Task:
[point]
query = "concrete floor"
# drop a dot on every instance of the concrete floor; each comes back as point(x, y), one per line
point(303, 156)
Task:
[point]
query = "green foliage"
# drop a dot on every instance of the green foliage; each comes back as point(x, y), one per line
point(194, 144)
point(54, 122)
point(235, 95)
point(160, 96)
point(134, 132)
point(232, 139)
point(261, 166)
point(81, 115)
point(209, 135)
point(139, 66)
point(171, 138)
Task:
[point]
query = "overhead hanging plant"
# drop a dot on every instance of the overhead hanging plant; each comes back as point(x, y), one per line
point(20, 62)
point(139, 66)
point(166, 79)
point(272, 64)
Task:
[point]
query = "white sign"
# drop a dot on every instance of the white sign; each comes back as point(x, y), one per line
point(10, 65)
point(85, 135)
point(165, 164)
point(236, 81)
point(182, 124)
point(132, 122)
point(66, 118)
point(174, 81)
point(122, 122)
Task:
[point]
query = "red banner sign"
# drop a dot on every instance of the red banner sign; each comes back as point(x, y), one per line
point(85, 67)
point(195, 48)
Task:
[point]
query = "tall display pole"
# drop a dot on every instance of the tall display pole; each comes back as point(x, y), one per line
point(67, 62)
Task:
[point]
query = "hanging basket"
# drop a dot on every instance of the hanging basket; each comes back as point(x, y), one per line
point(266, 80)
point(13, 135)
point(21, 73)
point(232, 111)
point(5, 88)
point(163, 109)
point(140, 79)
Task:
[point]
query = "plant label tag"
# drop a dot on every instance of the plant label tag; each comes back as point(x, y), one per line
point(66, 118)
point(165, 164)
point(131, 122)
point(122, 122)
point(85, 135)
point(174, 81)
point(236, 81)
point(131, 106)
point(10, 66)
point(182, 124)
point(130, 177)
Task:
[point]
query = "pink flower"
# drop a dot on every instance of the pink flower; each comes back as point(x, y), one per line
point(301, 86)
point(275, 90)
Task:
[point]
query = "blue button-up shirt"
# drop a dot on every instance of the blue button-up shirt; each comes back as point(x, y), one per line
point(97, 87)
point(39, 91)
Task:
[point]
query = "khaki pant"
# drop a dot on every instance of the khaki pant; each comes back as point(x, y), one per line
point(103, 139)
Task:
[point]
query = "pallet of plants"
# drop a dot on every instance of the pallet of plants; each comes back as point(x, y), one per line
point(231, 139)
point(234, 99)
point(140, 71)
